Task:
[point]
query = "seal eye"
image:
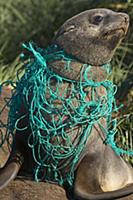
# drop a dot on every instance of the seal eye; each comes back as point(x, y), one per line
point(97, 19)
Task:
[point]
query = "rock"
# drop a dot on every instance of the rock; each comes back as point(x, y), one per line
point(31, 190)
point(130, 197)
point(4, 152)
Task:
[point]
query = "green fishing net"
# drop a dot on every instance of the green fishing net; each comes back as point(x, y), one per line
point(61, 112)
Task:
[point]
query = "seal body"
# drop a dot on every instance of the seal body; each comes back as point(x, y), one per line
point(90, 37)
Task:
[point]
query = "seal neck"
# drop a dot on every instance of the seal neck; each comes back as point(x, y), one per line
point(66, 66)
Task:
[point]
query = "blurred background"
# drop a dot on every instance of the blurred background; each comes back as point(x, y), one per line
point(38, 20)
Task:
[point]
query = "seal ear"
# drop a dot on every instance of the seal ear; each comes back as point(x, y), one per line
point(94, 174)
point(10, 170)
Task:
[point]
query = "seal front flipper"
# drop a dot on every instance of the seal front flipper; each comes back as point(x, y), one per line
point(99, 178)
point(10, 170)
point(100, 195)
point(88, 187)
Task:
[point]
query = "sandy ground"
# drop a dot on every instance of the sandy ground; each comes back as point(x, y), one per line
point(26, 189)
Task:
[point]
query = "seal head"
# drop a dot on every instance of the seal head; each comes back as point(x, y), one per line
point(93, 35)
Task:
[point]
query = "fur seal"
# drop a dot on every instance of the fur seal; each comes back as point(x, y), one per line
point(91, 37)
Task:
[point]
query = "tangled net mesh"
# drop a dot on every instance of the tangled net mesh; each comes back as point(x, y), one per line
point(60, 116)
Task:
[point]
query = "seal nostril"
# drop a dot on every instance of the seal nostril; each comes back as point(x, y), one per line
point(126, 19)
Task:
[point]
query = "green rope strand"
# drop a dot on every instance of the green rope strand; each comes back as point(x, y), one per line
point(60, 120)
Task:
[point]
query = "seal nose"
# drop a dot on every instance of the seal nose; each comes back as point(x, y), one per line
point(124, 20)
point(125, 17)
